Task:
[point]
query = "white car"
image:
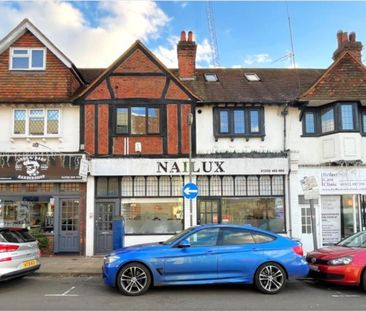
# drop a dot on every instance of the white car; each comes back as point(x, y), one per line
point(19, 253)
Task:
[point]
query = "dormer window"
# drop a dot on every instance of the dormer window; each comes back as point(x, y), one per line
point(27, 59)
point(211, 77)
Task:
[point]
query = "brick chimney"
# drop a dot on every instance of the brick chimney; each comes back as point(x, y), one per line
point(186, 51)
point(348, 43)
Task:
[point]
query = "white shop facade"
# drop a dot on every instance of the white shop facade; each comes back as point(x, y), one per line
point(340, 208)
point(148, 194)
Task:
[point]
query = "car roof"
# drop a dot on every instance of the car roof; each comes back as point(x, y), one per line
point(244, 226)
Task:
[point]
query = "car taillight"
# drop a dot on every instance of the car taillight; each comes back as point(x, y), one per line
point(298, 250)
point(8, 248)
point(6, 259)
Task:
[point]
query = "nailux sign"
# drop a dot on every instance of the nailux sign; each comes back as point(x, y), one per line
point(197, 167)
point(180, 166)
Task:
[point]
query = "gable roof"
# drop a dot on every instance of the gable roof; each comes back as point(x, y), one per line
point(103, 73)
point(276, 86)
point(345, 79)
point(26, 25)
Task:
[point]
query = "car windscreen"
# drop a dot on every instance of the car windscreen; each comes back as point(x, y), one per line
point(355, 240)
point(16, 236)
point(178, 236)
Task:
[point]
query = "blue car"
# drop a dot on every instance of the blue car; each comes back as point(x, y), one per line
point(209, 254)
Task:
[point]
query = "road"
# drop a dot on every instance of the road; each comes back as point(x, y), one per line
point(89, 293)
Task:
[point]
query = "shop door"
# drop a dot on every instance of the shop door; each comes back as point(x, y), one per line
point(68, 236)
point(208, 211)
point(104, 213)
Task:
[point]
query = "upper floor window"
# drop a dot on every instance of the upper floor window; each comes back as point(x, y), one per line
point(137, 120)
point(239, 121)
point(339, 117)
point(36, 122)
point(363, 121)
point(27, 59)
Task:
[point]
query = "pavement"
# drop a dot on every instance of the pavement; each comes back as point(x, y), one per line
point(70, 266)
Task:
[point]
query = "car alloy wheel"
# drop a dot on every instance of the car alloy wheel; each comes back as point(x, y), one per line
point(270, 278)
point(134, 279)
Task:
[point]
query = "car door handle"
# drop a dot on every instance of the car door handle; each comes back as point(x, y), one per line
point(210, 252)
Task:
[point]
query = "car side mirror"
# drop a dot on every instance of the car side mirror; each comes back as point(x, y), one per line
point(184, 244)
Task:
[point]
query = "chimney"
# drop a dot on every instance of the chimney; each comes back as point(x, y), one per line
point(348, 43)
point(186, 51)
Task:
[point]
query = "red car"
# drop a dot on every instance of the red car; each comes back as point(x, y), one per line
point(344, 263)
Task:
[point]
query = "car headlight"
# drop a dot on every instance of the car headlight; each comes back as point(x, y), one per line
point(340, 261)
point(109, 259)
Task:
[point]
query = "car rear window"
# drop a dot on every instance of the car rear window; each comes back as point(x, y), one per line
point(262, 238)
point(16, 236)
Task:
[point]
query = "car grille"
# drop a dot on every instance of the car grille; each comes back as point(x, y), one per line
point(317, 261)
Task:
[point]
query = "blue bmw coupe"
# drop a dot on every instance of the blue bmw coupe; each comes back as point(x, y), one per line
point(209, 254)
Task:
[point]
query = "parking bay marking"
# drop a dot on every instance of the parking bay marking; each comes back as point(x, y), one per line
point(65, 294)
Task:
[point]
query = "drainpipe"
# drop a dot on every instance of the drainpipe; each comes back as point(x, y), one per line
point(284, 113)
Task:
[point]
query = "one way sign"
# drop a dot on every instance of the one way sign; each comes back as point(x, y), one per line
point(190, 191)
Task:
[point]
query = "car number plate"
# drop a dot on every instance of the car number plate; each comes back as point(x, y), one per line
point(29, 263)
point(314, 268)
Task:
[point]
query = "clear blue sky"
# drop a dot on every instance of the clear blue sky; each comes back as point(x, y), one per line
point(249, 34)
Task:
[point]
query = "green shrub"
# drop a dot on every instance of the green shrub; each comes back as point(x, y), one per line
point(40, 237)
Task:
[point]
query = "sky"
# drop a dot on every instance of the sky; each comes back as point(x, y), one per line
point(251, 34)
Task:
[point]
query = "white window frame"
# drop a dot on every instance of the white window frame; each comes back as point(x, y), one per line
point(27, 116)
point(29, 55)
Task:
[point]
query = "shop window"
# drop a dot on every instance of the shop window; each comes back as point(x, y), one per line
point(27, 59)
point(265, 213)
point(36, 122)
point(253, 185)
point(46, 187)
point(153, 215)
point(265, 185)
point(107, 186)
point(240, 185)
point(228, 186)
point(239, 121)
point(277, 185)
point(16, 187)
point(203, 185)
point(37, 215)
point(137, 120)
point(231, 236)
point(164, 186)
point(127, 187)
point(177, 186)
point(215, 186)
point(31, 187)
point(70, 187)
point(4, 188)
point(139, 186)
point(151, 186)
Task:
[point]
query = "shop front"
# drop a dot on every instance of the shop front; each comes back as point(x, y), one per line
point(46, 194)
point(147, 193)
point(340, 208)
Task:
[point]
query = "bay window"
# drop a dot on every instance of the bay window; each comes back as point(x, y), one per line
point(338, 117)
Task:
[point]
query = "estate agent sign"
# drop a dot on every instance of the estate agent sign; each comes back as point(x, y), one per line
point(40, 167)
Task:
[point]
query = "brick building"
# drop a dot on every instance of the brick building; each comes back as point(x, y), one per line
point(255, 134)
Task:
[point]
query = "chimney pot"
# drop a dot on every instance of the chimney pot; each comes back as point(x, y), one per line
point(352, 37)
point(349, 44)
point(190, 36)
point(183, 36)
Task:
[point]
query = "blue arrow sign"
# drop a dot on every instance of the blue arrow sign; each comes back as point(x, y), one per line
point(190, 191)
